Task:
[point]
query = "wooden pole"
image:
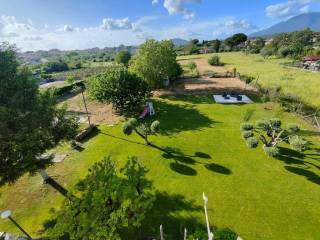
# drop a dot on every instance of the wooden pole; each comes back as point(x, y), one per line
point(85, 105)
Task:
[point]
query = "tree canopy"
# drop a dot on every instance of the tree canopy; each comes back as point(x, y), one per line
point(108, 204)
point(30, 123)
point(156, 63)
point(236, 39)
point(125, 90)
point(123, 57)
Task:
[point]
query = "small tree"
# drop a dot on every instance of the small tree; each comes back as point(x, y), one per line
point(123, 57)
point(266, 52)
point(108, 204)
point(125, 90)
point(144, 130)
point(271, 134)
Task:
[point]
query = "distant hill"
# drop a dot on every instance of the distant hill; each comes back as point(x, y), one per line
point(300, 22)
point(179, 42)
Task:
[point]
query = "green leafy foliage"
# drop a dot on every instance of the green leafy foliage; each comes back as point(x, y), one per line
point(298, 143)
point(247, 134)
point(144, 130)
point(293, 128)
point(246, 126)
point(235, 39)
point(156, 63)
point(225, 234)
point(252, 142)
point(271, 151)
point(126, 91)
point(55, 66)
point(30, 122)
point(215, 61)
point(123, 57)
point(271, 134)
point(107, 204)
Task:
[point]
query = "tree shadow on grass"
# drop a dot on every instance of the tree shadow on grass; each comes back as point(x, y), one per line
point(167, 212)
point(53, 183)
point(175, 118)
point(183, 169)
point(302, 167)
point(309, 175)
point(218, 168)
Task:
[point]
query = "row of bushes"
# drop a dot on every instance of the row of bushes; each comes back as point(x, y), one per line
point(68, 88)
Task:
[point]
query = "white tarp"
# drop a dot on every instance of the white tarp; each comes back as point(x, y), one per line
point(231, 100)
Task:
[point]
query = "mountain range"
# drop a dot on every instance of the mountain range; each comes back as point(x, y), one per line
point(297, 23)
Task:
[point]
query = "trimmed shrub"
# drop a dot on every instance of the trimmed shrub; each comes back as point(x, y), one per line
point(252, 142)
point(298, 144)
point(271, 151)
point(262, 124)
point(215, 61)
point(293, 128)
point(246, 127)
point(155, 126)
point(247, 134)
point(225, 234)
point(127, 128)
point(275, 122)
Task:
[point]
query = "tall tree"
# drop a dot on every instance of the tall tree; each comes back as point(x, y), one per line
point(108, 204)
point(30, 122)
point(156, 63)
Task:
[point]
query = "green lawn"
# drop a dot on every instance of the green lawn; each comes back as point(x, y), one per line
point(258, 197)
point(271, 73)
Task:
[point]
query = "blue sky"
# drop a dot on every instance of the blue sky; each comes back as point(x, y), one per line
point(79, 24)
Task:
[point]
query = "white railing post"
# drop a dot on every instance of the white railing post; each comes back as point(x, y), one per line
point(161, 233)
point(205, 199)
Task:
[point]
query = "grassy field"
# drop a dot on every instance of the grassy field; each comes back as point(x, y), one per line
point(258, 197)
point(271, 73)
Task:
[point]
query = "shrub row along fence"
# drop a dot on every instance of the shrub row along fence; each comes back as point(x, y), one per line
point(289, 103)
point(68, 88)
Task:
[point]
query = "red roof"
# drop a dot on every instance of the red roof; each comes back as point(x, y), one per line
point(311, 58)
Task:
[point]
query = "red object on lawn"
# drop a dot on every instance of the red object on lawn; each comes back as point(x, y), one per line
point(145, 112)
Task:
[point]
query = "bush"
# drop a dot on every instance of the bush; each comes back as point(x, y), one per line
point(155, 126)
point(252, 142)
point(247, 134)
point(126, 91)
point(293, 128)
point(298, 144)
point(123, 57)
point(215, 61)
point(275, 122)
point(246, 127)
point(271, 151)
point(225, 234)
point(262, 124)
point(127, 128)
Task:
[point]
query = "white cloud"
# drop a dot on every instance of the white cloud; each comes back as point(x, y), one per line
point(10, 27)
point(33, 38)
point(155, 2)
point(114, 32)
point(289, 8)
point(116, 24)
point(68, 28)
point(179, 7)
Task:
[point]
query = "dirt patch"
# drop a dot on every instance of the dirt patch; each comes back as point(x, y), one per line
point(99, 112)
point(203, 66)
point(206, 84)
